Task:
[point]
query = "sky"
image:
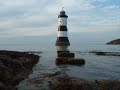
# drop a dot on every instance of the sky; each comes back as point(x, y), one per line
point(89, 21)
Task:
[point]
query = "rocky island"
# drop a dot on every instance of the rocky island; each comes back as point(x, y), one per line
point(14, 67)
point(114, 42)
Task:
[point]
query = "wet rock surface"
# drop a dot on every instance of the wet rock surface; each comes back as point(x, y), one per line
point(14, 67)
point(62, 81)
point(71, 83)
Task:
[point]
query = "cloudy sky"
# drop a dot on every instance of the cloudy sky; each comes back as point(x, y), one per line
point(88, 20)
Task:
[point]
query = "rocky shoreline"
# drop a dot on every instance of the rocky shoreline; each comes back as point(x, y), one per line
point(14, 67)
point(62, 81)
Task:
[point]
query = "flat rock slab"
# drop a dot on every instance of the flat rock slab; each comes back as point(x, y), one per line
point(71, 61)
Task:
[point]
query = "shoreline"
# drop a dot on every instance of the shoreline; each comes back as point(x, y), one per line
point(55, 80)
point(62, 81)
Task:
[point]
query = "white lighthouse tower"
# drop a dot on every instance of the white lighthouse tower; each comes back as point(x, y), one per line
point(62, 39)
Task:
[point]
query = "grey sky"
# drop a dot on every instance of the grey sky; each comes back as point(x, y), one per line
point(92, 19)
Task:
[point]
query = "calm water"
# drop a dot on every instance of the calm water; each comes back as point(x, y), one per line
point(96, 67)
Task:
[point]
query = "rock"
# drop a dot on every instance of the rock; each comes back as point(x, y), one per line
point(70, 83)
point(101, 53)
point(1, 84)
point(114, 42)
point(55, 74)
point(15, 66)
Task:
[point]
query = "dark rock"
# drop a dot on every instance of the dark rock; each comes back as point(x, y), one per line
point(1, 84)
point(114, 42)
point(15, 66)
point(101, 53)
point(70, 83)
point(56, 73)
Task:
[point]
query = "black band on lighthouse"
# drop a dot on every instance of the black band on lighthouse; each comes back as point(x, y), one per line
point(62, 28)
point(62, 41)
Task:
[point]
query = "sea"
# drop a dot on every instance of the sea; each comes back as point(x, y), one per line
point(95, 68)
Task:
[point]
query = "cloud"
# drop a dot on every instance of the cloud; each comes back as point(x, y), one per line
point(18, 32)
point(100, 0)
point(96, 28)
point(39, 17)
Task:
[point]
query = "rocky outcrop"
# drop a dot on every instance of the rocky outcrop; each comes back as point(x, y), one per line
point(114, 42)
point(15, 66)
point(71, 83)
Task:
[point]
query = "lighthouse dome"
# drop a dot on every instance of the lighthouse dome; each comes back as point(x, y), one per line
point(62, 14)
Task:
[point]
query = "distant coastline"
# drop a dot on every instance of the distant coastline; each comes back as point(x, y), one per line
point(114, 42)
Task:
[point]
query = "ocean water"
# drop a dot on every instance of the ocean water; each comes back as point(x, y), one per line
point(95, 68)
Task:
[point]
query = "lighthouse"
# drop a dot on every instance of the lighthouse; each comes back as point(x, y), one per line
point(62, 38)
point(64, 56)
